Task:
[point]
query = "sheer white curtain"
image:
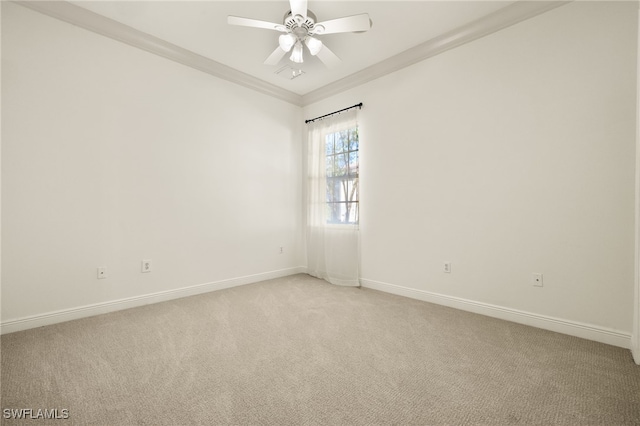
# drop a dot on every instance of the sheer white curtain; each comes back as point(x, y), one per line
point(333, 243)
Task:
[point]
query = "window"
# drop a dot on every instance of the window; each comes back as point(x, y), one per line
point(342, 164)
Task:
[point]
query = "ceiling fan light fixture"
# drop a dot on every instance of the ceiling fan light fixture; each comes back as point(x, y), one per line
point(314, 45)
point(296, 55)
point(286, 41)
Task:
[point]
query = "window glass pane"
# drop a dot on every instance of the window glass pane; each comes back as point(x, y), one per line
point(353, 163)
point(353, 140)
point(351, 212)
point(341, 164)
point(329, 165)
point(352, 190)
point(334, 190)
point(341, 143)
point(346, 189)
point(334, 212)
point(329, 144)
point(343, 212)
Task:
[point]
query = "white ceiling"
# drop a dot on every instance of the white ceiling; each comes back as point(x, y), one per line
point(201, 27)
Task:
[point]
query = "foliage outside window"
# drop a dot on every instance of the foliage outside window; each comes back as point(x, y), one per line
point(342, 166)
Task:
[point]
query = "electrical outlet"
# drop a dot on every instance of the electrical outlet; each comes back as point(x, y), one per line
point(102, 272)
point(536, 279)
point(146, 265)
point(446, 267)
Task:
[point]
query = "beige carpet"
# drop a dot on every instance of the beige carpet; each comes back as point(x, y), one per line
point(297, 350)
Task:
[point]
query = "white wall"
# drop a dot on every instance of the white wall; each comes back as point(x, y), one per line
point(510, 155)
point(112, 155)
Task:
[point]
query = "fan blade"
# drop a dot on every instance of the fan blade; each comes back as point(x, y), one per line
point(255, 23)
point(328, 57)
point(298, 7)
point(344, 25)
point(275, 57)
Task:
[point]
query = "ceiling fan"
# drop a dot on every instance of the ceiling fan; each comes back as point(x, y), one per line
point(300, 27)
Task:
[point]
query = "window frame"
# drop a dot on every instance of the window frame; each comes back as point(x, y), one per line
point(344, 176)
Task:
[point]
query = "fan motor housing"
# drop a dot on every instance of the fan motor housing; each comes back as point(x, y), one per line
point(308, 23)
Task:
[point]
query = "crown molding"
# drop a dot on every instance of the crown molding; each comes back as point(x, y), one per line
point(505, 17)
point(91, 21)
point(500, 19)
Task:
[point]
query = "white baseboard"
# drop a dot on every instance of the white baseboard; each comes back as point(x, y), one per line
point(55, 317)
point(572, 328)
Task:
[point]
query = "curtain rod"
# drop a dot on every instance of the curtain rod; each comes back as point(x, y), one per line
point(334, 112)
